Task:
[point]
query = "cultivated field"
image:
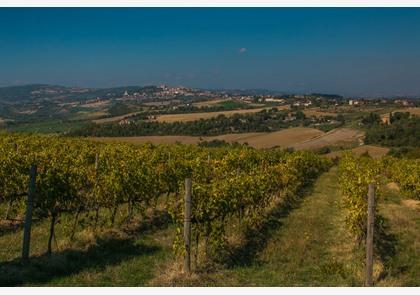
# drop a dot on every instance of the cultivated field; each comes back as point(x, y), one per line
point(335, 137)
point(208, 103)
point(96, 104)
point(207, 115)
point(299, 138)
point(114, 119)
point(374, 151)
point(283, 138)
point(318, 113)
point(413, 111)
point(82, 115)
point(213, 102)
point(170, 118)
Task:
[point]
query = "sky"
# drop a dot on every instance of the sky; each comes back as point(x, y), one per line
point(347, 51)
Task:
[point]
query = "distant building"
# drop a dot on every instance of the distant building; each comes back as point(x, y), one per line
point(386, 119)
point(403, 102)
point(279, 100)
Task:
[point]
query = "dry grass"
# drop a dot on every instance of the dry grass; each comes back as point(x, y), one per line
point(318, 113)
point(404, 222)
point(159, 103)
point(208, 103)
point(96, 104)
point(411, 204)
point(335, 137)
point(115, 119)
point(413, 111)
point(83, 115)
point(128, 255)
point(283, 138)
point(300, 138)
point(374, 151)
point(170, 118)
point(393, 186)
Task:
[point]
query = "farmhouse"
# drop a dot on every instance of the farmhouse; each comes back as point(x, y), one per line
point(386, 119)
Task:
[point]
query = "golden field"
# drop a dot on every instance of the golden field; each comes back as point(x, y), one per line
point(298, 138)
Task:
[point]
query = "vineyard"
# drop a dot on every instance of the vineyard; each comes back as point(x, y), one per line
point(357, 173)
point(82, 185)
point(81, 178)
point(363, 177)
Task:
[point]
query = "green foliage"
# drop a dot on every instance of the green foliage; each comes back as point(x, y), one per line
point(404, 131)
point(79, 176)
point(119, 109)
point(240, 185)
point(323, 150)
point(372, 118)
point(405, 172)
point(219, 143)
point(263, 121)
point(355, 174)
point(405, 152)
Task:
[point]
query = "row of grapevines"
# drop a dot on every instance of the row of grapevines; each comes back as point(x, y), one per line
point(355, 174)
point(239, 186)
point(405, 172)
point(77, 175)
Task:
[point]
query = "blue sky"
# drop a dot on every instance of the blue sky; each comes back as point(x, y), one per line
point(350, 51)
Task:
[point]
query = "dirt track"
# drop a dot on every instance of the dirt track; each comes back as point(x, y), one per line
point(334, 137)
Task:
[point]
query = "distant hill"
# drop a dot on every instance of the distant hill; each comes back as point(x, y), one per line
point(34, 92)
point(39, 92)
point(251, 91)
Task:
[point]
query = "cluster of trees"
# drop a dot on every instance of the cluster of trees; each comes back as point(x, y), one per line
point(403, 130)
point(264, 121)
point(219, 143)
point(405, 152)
point(122, 108)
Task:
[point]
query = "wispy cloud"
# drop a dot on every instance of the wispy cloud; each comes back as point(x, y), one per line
point(242, 50)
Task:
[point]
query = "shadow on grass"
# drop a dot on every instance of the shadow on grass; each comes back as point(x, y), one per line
point(42, 269)
point(256, 238)
point(157, 220)
point(12, 225)
point(385, 245)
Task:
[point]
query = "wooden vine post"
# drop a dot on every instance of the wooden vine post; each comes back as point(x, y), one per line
point(28, 215)
point(369, 236)
point(187, 226)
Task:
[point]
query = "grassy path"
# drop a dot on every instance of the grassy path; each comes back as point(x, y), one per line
point(310, 248)
point(113, 258)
